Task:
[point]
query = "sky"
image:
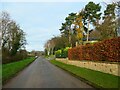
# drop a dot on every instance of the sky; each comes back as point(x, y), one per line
point(41, 20)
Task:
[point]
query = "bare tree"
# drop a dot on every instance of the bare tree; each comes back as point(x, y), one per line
point(13, 38)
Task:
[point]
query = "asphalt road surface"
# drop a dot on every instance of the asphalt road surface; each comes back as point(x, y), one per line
point(42, 74)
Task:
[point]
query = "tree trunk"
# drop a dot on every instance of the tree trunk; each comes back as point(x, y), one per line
point(76, 43)
point(52, 51)
point(48, 51)
point(88, 31)
point(70, 37)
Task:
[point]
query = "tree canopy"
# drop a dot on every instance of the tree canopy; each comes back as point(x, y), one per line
point(77, 26)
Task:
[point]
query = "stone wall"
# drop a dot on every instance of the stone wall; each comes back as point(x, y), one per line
point(111, 68)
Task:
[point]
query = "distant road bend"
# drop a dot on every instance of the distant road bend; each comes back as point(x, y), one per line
point(42, 74)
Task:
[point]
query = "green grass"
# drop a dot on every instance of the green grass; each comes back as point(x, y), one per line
point(98, 79)
point(11, 69)
point(0, 75)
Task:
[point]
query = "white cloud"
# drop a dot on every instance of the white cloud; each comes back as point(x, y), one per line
point(36, 37)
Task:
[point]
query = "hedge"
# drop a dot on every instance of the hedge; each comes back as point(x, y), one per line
point(58, 53)
point(107, 50)
point(62, 53)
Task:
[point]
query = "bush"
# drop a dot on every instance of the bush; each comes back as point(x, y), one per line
point(62, 53)
point(58, 53)
point(107, 50)
point(7, 58)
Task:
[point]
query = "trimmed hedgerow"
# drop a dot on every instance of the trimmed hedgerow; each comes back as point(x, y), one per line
point(107, 50)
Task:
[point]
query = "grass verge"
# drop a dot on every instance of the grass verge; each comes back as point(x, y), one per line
point(11, 69)
point(96, 78)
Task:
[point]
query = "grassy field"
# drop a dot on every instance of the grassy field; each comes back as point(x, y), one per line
point(11, 69)
point(96, 78)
